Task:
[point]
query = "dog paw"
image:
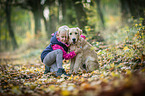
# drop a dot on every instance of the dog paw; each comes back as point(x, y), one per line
point(74, 73)
point(84, 71)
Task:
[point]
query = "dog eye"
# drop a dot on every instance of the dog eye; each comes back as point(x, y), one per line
point(76, 33)
point(70, 33)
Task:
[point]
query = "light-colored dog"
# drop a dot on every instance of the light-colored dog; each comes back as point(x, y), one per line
point(87, 56)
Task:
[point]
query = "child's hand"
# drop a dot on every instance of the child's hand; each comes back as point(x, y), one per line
point(77, 50)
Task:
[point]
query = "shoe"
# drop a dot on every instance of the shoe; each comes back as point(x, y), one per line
point(47, 69)
point(65, 73)
point(61, 71)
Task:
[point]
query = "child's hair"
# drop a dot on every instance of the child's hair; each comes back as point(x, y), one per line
point(63, 29)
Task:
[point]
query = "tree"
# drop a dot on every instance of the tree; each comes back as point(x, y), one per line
point(81, 15)
point(62, 8)
point(100, 13)
point(9, 24)
point(68, 12)
point(36, 8)
point(52, 23)
point(134, 7)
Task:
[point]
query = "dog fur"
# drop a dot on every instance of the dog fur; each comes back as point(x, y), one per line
point(87, 56)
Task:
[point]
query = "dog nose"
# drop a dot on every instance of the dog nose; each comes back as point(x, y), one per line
point(74, 39)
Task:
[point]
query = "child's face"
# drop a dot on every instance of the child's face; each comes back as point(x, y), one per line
point(62, 37)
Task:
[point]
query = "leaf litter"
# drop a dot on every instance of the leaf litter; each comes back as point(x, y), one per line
point(121, 73)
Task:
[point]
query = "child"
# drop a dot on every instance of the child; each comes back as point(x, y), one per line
point(54, 53)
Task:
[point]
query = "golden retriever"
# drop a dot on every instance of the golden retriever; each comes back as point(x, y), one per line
point(87, 56)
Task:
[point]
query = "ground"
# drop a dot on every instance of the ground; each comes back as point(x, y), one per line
point(121, 73)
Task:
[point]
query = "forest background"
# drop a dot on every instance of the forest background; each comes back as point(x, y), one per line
point(26, 22)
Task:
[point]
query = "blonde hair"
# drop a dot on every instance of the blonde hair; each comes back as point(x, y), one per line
point(63, 28)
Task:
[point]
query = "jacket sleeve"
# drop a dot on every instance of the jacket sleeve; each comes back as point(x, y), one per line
point(66, 55)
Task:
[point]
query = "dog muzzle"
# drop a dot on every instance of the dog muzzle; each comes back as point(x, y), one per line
point(74, 40)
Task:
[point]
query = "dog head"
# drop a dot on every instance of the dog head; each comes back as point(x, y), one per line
point(74, 35)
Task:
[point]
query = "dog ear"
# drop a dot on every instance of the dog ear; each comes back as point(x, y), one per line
point(67, 34)
point(79, 30)
point(79, 33)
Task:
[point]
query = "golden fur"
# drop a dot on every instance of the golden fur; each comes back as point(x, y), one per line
point(87, 56)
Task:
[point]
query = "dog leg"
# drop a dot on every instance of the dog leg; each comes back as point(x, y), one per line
point(83, 67)
point(78, 62)
point(72, 62)
point(92, 64)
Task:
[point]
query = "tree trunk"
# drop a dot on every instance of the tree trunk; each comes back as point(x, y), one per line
point(81, 15)
point(46, 24)
point(36, 8)
point(70, 19)
point(37, 19)
point(6, 41)
point(52, 18)
point(64, 11)
point(62, 8)
point(124, 10)
point(8, 16)
point(135, 7)
point(100, 13)
point(68, 12)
